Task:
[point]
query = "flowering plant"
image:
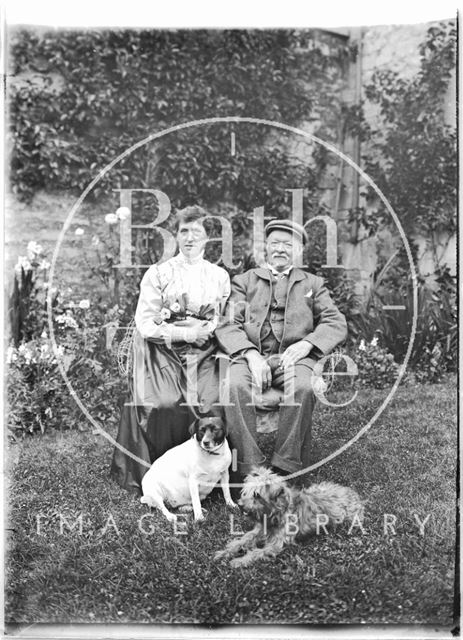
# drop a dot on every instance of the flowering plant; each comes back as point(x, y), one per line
point(37, 393)
point(35, 386)
point(27, 304)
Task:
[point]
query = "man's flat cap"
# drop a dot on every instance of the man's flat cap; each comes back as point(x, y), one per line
point(289, 226)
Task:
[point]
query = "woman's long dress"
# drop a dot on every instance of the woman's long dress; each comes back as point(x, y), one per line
point(158, 413)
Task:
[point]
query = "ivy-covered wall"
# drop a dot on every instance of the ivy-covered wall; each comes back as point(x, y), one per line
point(78, 99)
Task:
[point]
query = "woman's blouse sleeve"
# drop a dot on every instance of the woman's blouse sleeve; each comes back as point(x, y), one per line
point(148, 309)
point(222, 296)
point(226, 289)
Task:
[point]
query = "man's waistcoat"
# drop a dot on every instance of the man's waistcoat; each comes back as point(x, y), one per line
point(309, 312)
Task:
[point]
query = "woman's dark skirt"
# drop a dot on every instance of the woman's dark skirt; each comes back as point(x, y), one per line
point(157, 414)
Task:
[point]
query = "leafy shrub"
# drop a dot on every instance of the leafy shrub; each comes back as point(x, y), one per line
point(37, 394)
point(27, 311)
point(434, 349)
point(440, 349)
point(34, 387)
point(342, 289)
point(376, 365)
point(412, 155)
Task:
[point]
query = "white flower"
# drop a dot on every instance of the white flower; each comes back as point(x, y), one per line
point(374, 342)
point(165, 314)
point(44, 351)
point(44, 265)
point(79, 231)
point(67, 320)
point(71, 323)
point(175, 307)
point(318, 384)
point(362, 346)
point(84, 304)
point(59, 351)
point(11, 355)
point(34, 249)
point(23, 263)
point(110, 218)
point(24, 351)
point(95, 241)
point(123, 213)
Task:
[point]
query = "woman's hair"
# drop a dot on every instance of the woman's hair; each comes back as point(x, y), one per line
point(192, 213)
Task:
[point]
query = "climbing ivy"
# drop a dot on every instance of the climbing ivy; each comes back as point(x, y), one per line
point(102, 91)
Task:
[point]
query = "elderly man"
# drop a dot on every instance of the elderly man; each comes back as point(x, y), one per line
point(278, 321)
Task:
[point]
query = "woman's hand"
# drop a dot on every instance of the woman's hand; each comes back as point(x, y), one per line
point(202, 334)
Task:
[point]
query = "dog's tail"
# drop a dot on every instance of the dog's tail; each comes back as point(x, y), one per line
point(338, 503)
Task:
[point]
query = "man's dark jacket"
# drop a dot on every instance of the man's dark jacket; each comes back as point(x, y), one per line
point(310, 313)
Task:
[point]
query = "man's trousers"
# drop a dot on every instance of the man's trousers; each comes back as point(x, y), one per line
point(293, 440)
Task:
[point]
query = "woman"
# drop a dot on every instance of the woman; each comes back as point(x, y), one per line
point(176, 316)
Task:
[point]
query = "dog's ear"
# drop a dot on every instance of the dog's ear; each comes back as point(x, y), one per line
point(193, 427)
point(223, 426)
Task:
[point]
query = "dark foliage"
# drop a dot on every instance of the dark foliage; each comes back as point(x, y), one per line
point(412, 156)
point(100, 92)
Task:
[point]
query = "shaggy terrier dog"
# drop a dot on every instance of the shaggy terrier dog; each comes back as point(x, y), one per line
point(283, 514)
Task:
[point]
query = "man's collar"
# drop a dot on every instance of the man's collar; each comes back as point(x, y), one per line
point(286, 272)
point(295, 274)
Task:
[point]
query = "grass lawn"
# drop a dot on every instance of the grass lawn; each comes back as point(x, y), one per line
point(404, 465)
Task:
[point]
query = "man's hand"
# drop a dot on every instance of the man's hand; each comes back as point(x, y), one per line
point(260, 370)
point(295, 352)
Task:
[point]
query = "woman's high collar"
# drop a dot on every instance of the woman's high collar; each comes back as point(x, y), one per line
point(183, 259)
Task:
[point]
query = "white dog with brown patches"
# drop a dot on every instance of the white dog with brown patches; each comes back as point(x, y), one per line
point(186, 474)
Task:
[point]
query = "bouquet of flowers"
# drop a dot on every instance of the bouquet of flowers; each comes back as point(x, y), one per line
point(179, 311)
